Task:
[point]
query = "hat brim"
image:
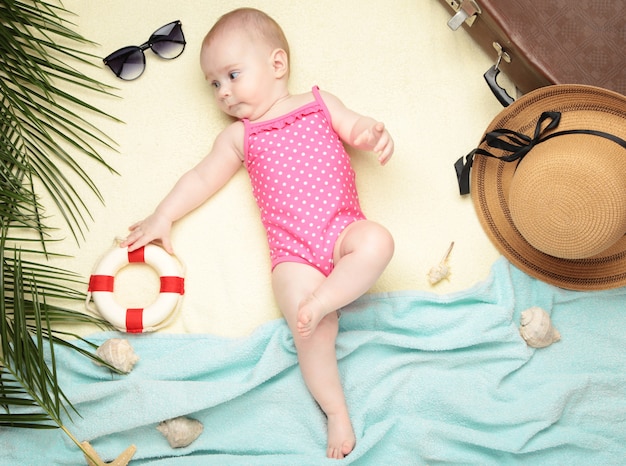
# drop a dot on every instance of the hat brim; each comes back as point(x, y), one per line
point(582, 107)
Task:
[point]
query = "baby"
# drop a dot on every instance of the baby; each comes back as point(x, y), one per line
point(324, 252)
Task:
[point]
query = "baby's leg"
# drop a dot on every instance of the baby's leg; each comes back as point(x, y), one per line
point(361, 254)
point(292, 284)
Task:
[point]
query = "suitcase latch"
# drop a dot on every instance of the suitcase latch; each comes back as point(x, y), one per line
point(502, 54)
point(466, 11)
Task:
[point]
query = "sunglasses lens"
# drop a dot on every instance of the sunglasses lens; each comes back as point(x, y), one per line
point(127, 63)
point(168, 41)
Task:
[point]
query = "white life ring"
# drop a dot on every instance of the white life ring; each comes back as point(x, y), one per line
point(137, 320)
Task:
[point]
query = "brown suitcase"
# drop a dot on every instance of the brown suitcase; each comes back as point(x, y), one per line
point(541, 42)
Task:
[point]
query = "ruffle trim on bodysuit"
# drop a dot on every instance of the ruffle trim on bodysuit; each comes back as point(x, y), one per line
point(285, 120)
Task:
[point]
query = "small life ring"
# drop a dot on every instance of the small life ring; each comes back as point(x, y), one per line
point(137, 320)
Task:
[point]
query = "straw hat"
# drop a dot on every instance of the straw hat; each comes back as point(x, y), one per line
point(549, 185)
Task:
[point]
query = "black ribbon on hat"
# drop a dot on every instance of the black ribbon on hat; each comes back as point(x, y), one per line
point(517, 145)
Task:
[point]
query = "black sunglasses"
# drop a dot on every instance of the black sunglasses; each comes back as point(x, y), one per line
point(129, 62)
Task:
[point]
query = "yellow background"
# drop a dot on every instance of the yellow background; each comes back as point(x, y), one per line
point(396, 61)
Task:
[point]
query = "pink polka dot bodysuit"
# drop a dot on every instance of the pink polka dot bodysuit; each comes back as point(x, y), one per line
point(303, 183)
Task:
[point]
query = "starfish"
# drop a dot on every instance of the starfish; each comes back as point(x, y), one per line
point(121, 460)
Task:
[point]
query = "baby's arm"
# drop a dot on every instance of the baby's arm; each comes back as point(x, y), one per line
point(358, 130)
point(191, 190)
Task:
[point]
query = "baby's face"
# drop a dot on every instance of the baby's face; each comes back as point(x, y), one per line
point(240, 72)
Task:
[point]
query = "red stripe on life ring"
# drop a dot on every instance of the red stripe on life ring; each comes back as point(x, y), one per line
point(134, 320)
point(101, 283)
point(137, 255)
point(172, 285)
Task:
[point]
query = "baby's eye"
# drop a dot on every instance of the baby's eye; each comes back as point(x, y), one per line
point(215, 85)
point(233, 74)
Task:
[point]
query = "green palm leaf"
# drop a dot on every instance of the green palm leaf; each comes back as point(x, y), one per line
point(44, 141)
point(26, 379)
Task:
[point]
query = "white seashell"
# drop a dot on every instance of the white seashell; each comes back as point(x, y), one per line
point(119, 353)
point(536, 328)
point(180, 431)
point(440, 271)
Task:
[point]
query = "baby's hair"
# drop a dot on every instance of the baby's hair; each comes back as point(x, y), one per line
point(253, 21)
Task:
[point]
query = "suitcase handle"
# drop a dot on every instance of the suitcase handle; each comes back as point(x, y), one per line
point(501, 94)
point(492, 73)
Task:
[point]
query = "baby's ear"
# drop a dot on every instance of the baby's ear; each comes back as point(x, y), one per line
point(280, 62)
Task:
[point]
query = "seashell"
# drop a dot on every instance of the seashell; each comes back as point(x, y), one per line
point(180, 431)
point(440, 271)
point(119, 353)
point(536, 328)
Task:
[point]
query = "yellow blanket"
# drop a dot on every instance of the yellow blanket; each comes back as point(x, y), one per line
point(396, 61)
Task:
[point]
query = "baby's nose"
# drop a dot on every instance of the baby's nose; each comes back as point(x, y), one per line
point(224, 92)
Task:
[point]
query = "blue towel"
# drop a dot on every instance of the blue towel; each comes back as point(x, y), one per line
point(429, 380)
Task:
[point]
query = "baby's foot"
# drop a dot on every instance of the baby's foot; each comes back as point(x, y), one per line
point(309, 315)
point(341, 438)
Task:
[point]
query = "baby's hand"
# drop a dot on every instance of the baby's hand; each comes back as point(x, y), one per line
point(379, 139)
point(155, 228)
